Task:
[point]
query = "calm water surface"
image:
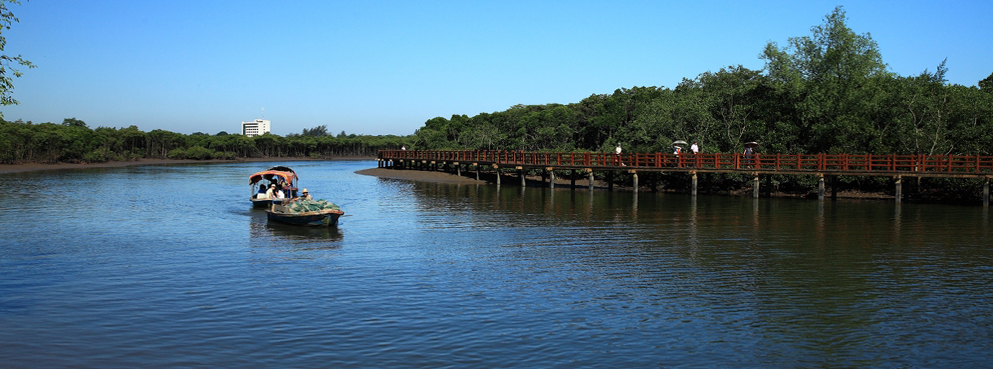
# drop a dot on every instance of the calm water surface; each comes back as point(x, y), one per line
point(168, 266)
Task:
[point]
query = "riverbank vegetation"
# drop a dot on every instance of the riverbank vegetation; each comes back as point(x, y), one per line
point(829, 92)
point(74, 142)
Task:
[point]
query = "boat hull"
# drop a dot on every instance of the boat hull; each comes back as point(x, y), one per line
point(324, 218)
point(261, 203)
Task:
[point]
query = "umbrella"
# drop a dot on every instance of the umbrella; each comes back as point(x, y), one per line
point(751, 144)
point(678, 143)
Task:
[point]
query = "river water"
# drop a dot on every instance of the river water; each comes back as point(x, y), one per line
point(168, 266)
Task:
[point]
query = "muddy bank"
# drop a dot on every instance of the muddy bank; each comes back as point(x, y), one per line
point(420, 175)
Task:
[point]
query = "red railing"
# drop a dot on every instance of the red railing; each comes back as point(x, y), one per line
point(955, 164)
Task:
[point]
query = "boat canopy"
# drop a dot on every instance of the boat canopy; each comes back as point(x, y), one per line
point(287, 176)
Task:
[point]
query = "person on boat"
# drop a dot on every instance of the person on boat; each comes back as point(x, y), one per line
point(305, 195)
point(271, 193)
point(262, 192)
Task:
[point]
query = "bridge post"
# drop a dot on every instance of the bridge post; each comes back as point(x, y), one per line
point(572, 179)
point(520, 170)
point(820, 187)
point(496, 170)
point(755, 186)
point(551, 178)
point(477, 170)
point(590, 177)
point(634, 180)
point(610, 180)
point(986, 193)
point(458, 169)
point(693, 181)
point(899, 188)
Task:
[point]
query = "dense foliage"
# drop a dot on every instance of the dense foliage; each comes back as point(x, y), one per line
point(825, 93)
point(73, 142)
point(829, 92)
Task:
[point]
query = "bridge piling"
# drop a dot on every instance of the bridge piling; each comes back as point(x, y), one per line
point(899, 188)
point(693, 181)
point(755, 186)
point(591, 178)
point(820, 187)
point(634, 180)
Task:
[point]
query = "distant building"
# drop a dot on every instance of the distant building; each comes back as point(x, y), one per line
point(256, 128)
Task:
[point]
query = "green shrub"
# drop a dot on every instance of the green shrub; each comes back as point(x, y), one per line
point(100, 155)
point(199, 153)
point(176, 154)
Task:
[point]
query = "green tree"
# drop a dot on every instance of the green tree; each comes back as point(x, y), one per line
point(987, 84)
point(318, 131)
point(834, 77)
point(73, 122)
point(7, 62)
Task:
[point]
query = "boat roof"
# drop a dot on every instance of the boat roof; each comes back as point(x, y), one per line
point(288, 176)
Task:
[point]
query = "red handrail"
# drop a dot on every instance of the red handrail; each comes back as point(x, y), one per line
point(892, 163)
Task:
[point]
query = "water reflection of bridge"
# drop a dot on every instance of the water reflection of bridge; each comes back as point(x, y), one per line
point(819, 165)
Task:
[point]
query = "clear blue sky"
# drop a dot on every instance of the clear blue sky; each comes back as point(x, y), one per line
point(385, 67)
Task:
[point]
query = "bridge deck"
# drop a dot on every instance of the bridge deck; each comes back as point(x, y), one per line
point(961, 166)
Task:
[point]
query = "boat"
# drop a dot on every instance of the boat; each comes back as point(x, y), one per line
point(276, 174)
point(315, 213)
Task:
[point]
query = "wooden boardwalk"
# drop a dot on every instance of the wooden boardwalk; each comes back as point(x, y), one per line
point(819, 165)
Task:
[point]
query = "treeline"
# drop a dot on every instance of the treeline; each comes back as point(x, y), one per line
point(829, 92)
point(825, 93)
point(74, 142)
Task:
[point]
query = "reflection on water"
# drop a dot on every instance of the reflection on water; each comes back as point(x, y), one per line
point(260, 227)
point(817, 277)
point(434, 275)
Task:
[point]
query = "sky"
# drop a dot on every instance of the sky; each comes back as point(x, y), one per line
point(385, 67)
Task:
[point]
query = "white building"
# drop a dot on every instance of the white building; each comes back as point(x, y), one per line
point(258, 127)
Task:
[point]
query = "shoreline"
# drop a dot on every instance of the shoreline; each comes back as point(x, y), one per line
point(36, 167)
point(411, 175)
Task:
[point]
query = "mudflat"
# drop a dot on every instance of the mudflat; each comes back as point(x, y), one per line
point(419, 175)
